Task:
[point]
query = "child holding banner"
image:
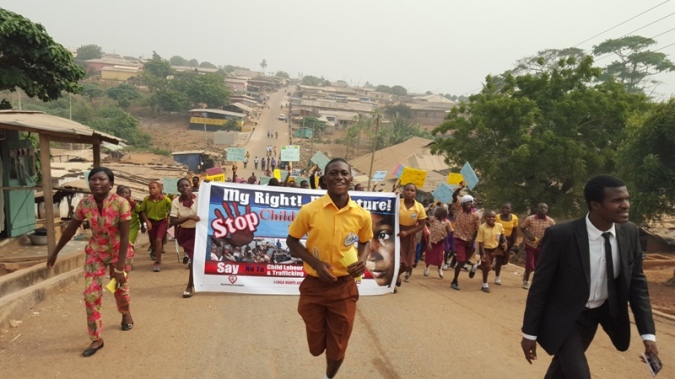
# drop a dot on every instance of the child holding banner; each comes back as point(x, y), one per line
point(412, 219)
point(184, 217)
point(328, 295)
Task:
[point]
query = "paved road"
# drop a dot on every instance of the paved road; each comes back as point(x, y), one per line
point(425, 331)
point(268, 121)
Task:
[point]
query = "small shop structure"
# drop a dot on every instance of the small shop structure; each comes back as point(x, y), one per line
point(214, 120)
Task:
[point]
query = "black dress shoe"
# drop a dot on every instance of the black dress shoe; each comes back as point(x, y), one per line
point(91, 351)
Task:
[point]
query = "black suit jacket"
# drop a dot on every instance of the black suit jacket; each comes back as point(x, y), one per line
point(560, 288)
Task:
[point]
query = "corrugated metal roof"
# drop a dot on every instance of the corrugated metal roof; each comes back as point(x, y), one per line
point(242, 106)
point(37, 122)
point(219, 111)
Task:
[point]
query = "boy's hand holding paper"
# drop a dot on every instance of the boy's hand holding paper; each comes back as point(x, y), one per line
point(349, 259)
point(112, 284)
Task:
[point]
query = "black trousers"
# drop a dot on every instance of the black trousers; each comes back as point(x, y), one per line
point(570, 360)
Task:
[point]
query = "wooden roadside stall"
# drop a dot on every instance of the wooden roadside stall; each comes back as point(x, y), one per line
point(19, 169)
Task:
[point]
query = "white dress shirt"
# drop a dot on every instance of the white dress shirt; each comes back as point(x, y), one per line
point(596, 246)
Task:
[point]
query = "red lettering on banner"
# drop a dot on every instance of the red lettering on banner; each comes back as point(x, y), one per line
point(234, 222)
point(253, 269)
point(277, 215)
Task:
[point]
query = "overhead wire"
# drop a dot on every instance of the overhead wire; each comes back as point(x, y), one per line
point(621, 23)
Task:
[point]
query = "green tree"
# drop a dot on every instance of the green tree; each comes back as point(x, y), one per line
point(124, 94)
point(282, 74)
point(539, 137)
point(86, 52)
point(383, 88)
point(156, 71)
point(546, 60)
point(193, 63)
point(122, 124)
point(177, 60)
point(32, 61)
point(399, 110)
point(647, 162)
point(636, 64)
point(92, 91)
point(209, 89)
point(311, 80)
point(399, 90)
point(263, 65)
point(207, 65)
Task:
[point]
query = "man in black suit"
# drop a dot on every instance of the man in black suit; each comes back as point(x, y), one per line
point(588, 270)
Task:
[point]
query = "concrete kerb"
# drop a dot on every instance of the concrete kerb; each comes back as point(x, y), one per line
point(22, 290)
point(17, 305)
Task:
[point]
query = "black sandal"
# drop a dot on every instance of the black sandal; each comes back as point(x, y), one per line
point(91, 351)
point(126, 327)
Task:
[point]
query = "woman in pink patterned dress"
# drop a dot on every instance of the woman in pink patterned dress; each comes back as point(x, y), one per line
point(109, 216)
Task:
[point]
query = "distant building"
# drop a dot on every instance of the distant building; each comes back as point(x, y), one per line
point(119, 73)
point(97, 65)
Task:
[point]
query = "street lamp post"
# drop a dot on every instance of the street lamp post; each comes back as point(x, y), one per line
point(206, 136)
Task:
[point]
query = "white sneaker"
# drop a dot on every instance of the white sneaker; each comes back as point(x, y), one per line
point(526, 285)
point(445, 267)
point(426, 271)
point(440, 273)
point(498, 281)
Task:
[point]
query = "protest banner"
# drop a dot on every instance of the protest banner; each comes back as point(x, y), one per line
point(241, 239)
point(264, 180)
point(470, 178)
point(290, 153)
point(414, 176)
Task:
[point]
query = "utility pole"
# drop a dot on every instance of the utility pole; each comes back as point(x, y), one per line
point(372, 151)
point(206, 135)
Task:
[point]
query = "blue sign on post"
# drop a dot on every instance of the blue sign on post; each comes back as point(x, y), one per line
point(470, 178)
point(236, 154)
point(443, 193)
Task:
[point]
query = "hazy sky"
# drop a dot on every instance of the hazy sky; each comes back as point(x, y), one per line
point(443, 46)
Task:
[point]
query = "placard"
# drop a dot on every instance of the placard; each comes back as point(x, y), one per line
point(290, 153)
point(170, 185)
point(414, 176)
point(320, 160)
point(398, 170)
point(216, 178)
point(379, 176)
point(236, 154)
point(444, 193)
point(470, 177)
point(454, 179)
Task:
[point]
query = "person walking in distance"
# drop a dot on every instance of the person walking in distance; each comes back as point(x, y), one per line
point(589, 270)
point(263, 164)
point(333, 223)
point(490, 239)
point(273, 163)
point(155, 210)
point(255, 162)
point(533, 228)
point(109, 216)
point(509, 222)
point(466, 228)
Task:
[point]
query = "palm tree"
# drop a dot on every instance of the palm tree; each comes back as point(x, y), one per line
point(263, 65)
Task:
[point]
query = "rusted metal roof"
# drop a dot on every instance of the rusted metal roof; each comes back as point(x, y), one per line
point(40, 122)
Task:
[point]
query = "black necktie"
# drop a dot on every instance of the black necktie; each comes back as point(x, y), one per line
point(611, 282)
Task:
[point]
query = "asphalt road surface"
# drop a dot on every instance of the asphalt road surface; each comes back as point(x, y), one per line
point(426, 330)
